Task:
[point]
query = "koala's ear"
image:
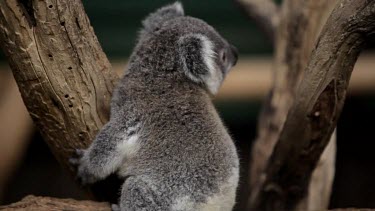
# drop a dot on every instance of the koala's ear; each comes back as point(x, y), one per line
point(197, 56)
point(155, 19)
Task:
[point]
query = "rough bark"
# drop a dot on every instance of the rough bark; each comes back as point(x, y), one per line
point(320, 187)
point(300, 24)
point(317, 106)
point(48, 203)
point(62, 73)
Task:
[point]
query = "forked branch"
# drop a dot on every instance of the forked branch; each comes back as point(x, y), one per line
point(300, 24)
point(317, 106)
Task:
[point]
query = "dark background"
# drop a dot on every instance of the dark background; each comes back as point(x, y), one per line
point(116, 24)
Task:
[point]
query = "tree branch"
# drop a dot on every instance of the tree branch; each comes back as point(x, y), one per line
point(317, 106)
point(320, 187)
point(63, 75)
point(48, 203)
point(300, 25)
point(264, 12)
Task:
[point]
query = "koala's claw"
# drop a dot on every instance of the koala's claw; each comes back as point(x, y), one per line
point(80, 152)
point(74, 161)
point(83, 176)
point(115, 207)
point(77, 157)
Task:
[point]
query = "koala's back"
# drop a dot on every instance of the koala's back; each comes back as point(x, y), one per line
point(183, 156)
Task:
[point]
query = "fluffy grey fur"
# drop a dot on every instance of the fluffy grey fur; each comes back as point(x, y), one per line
point(164, 135)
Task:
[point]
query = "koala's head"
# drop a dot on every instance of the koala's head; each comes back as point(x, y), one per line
point(171, 41)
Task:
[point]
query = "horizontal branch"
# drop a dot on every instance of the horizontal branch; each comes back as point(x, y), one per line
point(264, 12)
point(318, 104)
point(48, 203)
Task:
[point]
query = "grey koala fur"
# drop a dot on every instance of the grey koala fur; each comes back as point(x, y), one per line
point(164, 135)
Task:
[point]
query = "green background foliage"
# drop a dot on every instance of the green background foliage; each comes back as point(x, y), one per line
point(116, 23)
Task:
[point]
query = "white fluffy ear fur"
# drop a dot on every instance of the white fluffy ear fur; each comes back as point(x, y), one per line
point(214, 79)
point(202, 67)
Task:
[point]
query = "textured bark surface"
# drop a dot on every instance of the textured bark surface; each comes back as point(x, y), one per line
point(320, 187)
point(299, 26)
point(48, 203)
point(62, 73)
point(317, 106)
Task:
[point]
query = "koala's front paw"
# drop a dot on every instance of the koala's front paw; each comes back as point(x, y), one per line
point(80, 160)
point(115, 207)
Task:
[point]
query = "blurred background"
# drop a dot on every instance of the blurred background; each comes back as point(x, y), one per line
point(28, 167)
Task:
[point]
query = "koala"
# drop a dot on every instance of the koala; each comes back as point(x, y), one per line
point(164, 136)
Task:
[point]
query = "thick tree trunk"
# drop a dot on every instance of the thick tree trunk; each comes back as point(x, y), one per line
point(62, 73)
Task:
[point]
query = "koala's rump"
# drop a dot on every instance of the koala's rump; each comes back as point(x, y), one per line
point(199, 167)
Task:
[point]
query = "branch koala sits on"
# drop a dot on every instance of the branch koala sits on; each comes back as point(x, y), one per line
point(164, 136)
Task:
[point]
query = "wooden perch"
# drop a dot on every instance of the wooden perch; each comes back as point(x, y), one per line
point(317, 106)
point(49, 203)
point(264, 12)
